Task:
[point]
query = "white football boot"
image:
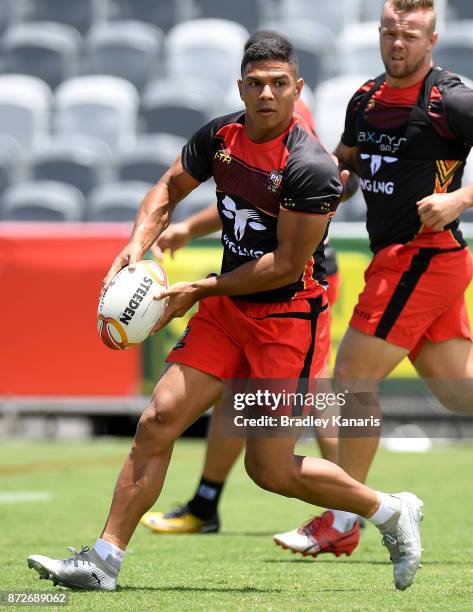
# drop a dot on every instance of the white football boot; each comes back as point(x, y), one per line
point(401, 536)
point(84, 570)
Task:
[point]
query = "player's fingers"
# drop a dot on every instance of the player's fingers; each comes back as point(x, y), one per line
point(117, 265)
point(157, 252)
point(344, 177)
point(135, 252)
point(424, 205)
point(430, 220)
point(163, 321)
point(158, 295)
point(427, 216)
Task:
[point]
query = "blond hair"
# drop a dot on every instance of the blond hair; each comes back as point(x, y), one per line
point(405, 6)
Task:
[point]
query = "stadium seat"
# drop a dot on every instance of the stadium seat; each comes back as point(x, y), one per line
point(80, 14)
point(81, 162)
point(179, 106)
point(104, 107)
point(330, 14)
point(117, 201)
point(11, 11)
point(25, 103)
point(315, 47)
point(197, 200)
point(249, 13)
point(358, 47)
point(231, 102)
point(127, 49)
point(11, 162)
point(162, 13)
point(331, 99)
point(455, 46)
point(209, 49)
point(364, 10)
point(150, 158)
point(49, 51)
point(459, 9)
point(43, 201)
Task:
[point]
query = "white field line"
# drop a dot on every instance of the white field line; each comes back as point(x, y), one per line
point(16, 497)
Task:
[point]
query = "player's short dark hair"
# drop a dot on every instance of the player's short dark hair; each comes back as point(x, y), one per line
point(278, 48)
point(414, 5)
point(264, 35)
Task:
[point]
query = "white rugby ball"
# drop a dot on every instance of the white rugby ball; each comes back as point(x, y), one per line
point(127, 310)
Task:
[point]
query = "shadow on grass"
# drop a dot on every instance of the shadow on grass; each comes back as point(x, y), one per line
point(223, 534)
point(182, 588)
point(248, 534)
point(329, 561)
point(363, 562)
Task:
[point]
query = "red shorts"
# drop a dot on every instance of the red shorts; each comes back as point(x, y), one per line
point(415, 294)
point(333, 288)
point(230, 338)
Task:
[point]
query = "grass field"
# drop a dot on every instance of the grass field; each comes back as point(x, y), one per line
point(240, 569)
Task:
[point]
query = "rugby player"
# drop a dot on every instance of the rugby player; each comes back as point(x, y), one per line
point(262, 317)
point(407, 135)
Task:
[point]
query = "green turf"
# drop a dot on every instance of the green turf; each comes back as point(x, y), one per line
point(240, 569)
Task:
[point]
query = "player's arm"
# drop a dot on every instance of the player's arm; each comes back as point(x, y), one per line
point(154, 215)
point(439, 209)
point(348, 161)
point(298, 236)
point(177, 235)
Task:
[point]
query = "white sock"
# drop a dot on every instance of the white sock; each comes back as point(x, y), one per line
point(388, 507)
point(104, 549)
point(343, 521)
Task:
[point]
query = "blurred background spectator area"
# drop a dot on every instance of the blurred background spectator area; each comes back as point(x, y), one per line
point(97, 96)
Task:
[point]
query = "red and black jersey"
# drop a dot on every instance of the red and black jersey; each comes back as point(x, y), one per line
point(412, 142)
point(254, 181)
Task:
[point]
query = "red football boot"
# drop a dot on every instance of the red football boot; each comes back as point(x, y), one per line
point(318, 536)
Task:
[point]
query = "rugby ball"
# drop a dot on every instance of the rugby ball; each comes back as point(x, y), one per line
point(127, 309)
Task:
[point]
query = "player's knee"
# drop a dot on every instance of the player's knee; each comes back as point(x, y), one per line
point(164, 408)
point(455, 395)
point(343, 369)
point(461, 403)
point(157, 424)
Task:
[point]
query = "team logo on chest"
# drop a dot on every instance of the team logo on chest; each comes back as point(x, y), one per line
point(242, 218)
point(376, 162)
point(274, 181)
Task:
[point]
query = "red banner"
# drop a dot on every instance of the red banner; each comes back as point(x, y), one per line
point(50, 278)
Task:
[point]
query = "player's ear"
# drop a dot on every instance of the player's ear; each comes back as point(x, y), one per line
point(433, 40)
point(240, 88)
point(299, 86)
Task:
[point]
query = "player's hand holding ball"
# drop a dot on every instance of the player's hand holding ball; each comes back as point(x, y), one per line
point(178, 298)
point(128, 310)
